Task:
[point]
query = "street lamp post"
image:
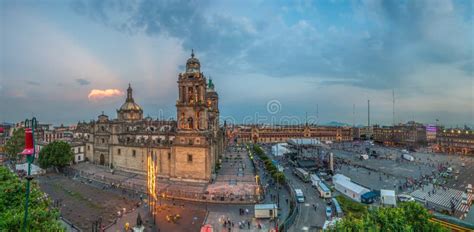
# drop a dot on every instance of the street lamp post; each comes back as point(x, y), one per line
point(29, 151)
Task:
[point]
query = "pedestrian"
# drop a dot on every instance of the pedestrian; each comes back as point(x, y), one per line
point(248, 225)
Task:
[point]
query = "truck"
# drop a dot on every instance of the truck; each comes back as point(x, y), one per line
point(315, 180)
point(388, 197)
point(266, 211)
point(324, 191)
point(408, 157)
point(299, 195)
point(302, 174)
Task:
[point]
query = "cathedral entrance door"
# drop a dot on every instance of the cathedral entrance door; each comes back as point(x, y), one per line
point(102, 159)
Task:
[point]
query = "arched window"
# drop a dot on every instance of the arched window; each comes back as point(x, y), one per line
point(190, 123)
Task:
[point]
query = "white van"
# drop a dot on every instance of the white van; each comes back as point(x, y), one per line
point(299, 195)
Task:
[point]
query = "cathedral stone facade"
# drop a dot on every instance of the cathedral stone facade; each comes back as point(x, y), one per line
point(187, 149)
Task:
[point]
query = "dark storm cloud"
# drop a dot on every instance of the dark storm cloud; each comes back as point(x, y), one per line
point(82, 81)
point(389, 40)
point(184, 20)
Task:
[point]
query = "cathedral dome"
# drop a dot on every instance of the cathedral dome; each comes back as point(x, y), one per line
point(129, 109)
point(130, 106)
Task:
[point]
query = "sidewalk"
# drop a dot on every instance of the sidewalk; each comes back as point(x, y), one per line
point(217, 218)
point(272, 192)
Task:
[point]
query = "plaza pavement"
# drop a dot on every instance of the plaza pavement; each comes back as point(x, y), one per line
point(81, 203)
point(217, 216)
point(236, 175)
point(424, 161)
point(235, 180)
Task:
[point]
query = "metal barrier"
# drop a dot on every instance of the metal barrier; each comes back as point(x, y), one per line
point(167, 193)
point(294, 209)
point(72, 227)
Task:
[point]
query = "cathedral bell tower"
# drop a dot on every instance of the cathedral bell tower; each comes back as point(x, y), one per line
point(191, 105)
point(191, 147)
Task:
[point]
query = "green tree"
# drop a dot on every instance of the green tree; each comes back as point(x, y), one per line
point(15, 144)
point(410, 216)
point(41, 217)
point(56, 154)
point(279, 177)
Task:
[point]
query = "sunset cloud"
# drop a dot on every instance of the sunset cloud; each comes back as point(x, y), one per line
point(98, 94)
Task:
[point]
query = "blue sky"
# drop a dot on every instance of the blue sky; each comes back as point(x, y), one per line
point(303, 54)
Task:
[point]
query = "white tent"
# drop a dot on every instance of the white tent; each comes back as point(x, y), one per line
point(348, 188)
point(340, 177)
point(279, 149)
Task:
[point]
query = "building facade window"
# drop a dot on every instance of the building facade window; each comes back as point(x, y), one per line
point(190, 158)
point(134, 153)
point(169, 156)
point(118, 151)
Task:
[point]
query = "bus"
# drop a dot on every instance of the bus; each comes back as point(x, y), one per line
point(323, 190)
point(299, 195)
point(315, 180)
point(302, 174)
point(339, 212)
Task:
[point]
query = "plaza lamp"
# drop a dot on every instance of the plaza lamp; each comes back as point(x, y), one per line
point(29, 151)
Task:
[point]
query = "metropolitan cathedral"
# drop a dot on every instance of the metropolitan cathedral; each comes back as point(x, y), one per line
point(187, 149)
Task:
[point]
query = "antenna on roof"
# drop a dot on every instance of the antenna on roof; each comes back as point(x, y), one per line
point(317, 113)
point(306, 118)
point(393, 107)
point(353, 114)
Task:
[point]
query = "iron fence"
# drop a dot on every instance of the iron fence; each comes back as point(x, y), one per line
point(166, 194)
point(294, 209)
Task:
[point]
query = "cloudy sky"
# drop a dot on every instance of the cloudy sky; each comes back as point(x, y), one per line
point(65, 61)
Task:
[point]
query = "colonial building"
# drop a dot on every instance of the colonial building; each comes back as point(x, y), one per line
point(362, 133)
point(410, 134)
point(455, 141)
point(273, 134)
point(186, 149)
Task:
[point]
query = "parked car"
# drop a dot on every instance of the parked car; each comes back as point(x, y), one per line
point(405, 198)
point(328, 212)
